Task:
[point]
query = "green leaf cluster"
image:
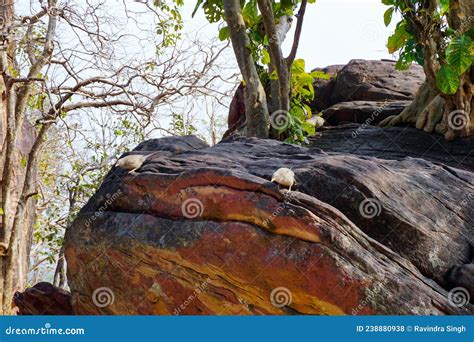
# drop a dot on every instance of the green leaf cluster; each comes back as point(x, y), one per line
point(459, 58)
point(302, 91)
point(180, 126)
point(455, 53)
point(170, 22)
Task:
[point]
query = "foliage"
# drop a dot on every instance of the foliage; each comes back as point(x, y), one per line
point(94, 97)
point(180, 126)
point(170, 22)
point(455, 48)
point(302, 91)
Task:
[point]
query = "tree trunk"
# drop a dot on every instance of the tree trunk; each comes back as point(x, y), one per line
point(60, 272)
point(450, 115)
point(458, 116)
point(256, 110)
point(280, 99)
point(425, 111)
point(18, 179)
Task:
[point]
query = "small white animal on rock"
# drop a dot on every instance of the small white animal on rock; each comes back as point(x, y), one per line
point(131, 162)
point(284, 176)
point(316, 121)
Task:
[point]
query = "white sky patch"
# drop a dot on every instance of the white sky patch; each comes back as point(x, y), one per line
point(334, 31)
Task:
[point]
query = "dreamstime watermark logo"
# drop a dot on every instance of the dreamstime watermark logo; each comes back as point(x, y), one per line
point(3, 22)
point(458, 297)
point(102, 297)
point(280, 119)
point(109, 200)
point(281, 297)
point(369, 120)
point(467, 24)
point(273, 39)
point(46, 330)
point(286, 198)
point(458, 120)
point(369, 208)
point(370, 30)
point(372, 294)
point(192, 208)
point(201, 288)
point(467, 198)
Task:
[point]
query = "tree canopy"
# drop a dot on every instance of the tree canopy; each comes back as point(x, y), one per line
point(288, 86)
point(437, 34)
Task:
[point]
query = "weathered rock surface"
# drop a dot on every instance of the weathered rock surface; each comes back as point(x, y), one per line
point(324, 88)
point(43, 299)
point(370, 80)
point(365, 91)
point(204, 231)
point(368, 112)
point(396, 143)
point(236, 116)
point(462, 277)
point(422, 210)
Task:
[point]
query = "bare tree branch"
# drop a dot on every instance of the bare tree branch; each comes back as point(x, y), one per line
point(296, 40)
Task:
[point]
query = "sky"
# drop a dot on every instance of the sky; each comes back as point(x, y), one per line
point(334, 31)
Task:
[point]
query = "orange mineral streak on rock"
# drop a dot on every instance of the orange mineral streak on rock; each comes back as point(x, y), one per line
point(251, 203)
point(209, 278)
point(257, 223)
point(271, 262)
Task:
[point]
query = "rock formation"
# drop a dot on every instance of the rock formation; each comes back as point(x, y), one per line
point(365, 91)
point(202, 230)
point(43, 299)
point(396, 143)
point(236, 117)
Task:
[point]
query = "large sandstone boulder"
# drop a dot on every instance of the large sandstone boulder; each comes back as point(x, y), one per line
point(362, 112)
point(422, 210)
point(323, 88)
point(202, 230)
point(365, 91)
point(370, 80)
point(396, 143)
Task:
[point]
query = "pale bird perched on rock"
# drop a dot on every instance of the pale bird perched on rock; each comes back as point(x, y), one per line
point(284, 176)
point(131, 162)
point(316, 121)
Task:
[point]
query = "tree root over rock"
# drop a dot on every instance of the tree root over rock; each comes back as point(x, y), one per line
point(429, 112)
